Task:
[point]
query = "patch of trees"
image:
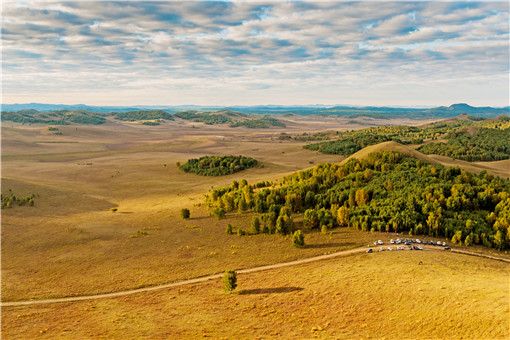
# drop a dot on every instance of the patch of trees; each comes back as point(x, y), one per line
point(485, 145)
point(132, 116)
point(58, 117)
point(387, 191)
point(203, 117)
point(151, 123)
point(10, 200)
point(262, 123)
point(218, 165)
point(352, 141)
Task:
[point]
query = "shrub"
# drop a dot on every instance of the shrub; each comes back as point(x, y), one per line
point(298, 239)
point(229, 281)
point(229, 231)
point(113, 209)
point(185, 214)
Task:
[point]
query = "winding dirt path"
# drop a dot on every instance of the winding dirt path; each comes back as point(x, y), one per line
point(217, 276)
point(183, 282)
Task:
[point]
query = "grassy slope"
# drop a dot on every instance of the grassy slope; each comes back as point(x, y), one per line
point(370, 295)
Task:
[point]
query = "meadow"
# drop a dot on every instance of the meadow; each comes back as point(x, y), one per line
point(71, 243)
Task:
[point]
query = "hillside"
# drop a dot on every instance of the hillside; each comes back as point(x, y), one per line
point(390, 146)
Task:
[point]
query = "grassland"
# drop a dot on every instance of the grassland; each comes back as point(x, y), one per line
point(378, 295)
point(70, 243)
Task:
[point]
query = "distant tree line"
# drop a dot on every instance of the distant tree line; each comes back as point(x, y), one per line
point(132, 116)
point(485, 145)
point(262, 123)
point(9, 200)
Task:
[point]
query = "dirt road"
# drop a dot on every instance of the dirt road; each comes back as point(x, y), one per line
point(217, 276)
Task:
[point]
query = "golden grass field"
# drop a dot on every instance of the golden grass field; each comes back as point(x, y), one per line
point(70, 243)
point(381, 295)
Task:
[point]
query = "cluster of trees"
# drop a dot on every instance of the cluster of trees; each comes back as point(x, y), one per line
point(132, 116)
point(262, 123)
point(59, 117)
point(150, 123)
point(485, 145)
point(387, 191)
point(204, 117)
point(9, 200)
point(502, 123)
point(218, 165)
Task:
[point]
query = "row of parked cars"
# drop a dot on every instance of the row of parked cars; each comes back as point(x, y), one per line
point(408, 242)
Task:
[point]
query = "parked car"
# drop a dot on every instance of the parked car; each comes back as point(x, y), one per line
point(447, 248)
point(420, 248)
point(438, 243)
point(398, 241)
point(380, 242)
point(400, 248)
point(413, 240)
point(370, 250)
point(392, 242)
point(382, 248)
point(408, 243)
point(444, 244)
point(410, 248)
point(418, 240)
point(390, 248)
point(375, 243)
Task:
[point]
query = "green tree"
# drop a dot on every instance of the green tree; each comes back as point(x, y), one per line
point(255, 225)
point(298, 239)
point(219, 213)
point(361, 197)
point(281, 228)
point(229, 229)
point(311, 219)
point(229, 281)
point(185, 214)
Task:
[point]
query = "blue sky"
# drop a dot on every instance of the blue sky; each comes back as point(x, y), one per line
point(250, 53)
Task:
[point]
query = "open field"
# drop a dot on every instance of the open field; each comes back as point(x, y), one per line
point(71, 244)
point(369, 295)
point(78, 176)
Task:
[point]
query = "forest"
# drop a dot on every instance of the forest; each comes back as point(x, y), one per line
point(262, 123)
point(489, 143)
point(485, 145)
point(58, 117)
point(387, 191)
point(203, 117)
point(132, 116)
point(218, 165)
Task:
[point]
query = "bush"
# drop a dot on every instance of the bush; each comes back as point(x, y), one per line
point(298, 239)
point(185, 214)
point(229, 281)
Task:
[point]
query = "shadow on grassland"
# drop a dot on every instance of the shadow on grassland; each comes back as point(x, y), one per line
point(269, 290)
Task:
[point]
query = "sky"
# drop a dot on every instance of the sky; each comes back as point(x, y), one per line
point(256, 53)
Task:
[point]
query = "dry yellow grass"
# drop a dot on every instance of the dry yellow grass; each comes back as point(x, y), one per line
point(387, 294)
point(70, 243)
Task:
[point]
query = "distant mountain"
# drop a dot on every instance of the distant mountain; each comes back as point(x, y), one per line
point(348, 111)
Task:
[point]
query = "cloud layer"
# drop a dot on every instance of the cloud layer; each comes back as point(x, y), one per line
point(208, 53)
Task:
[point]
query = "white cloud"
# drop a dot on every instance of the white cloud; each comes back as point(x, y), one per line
point(284, 50)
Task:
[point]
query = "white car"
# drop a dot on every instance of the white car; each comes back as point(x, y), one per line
point(398, 241)
point(382, 248)
point(444, 244)
point(392, 242)
point(400, 248)
point(390, 248)
point(380, 242)
point(375, 243)
point(438, 243)
point(418, 240)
